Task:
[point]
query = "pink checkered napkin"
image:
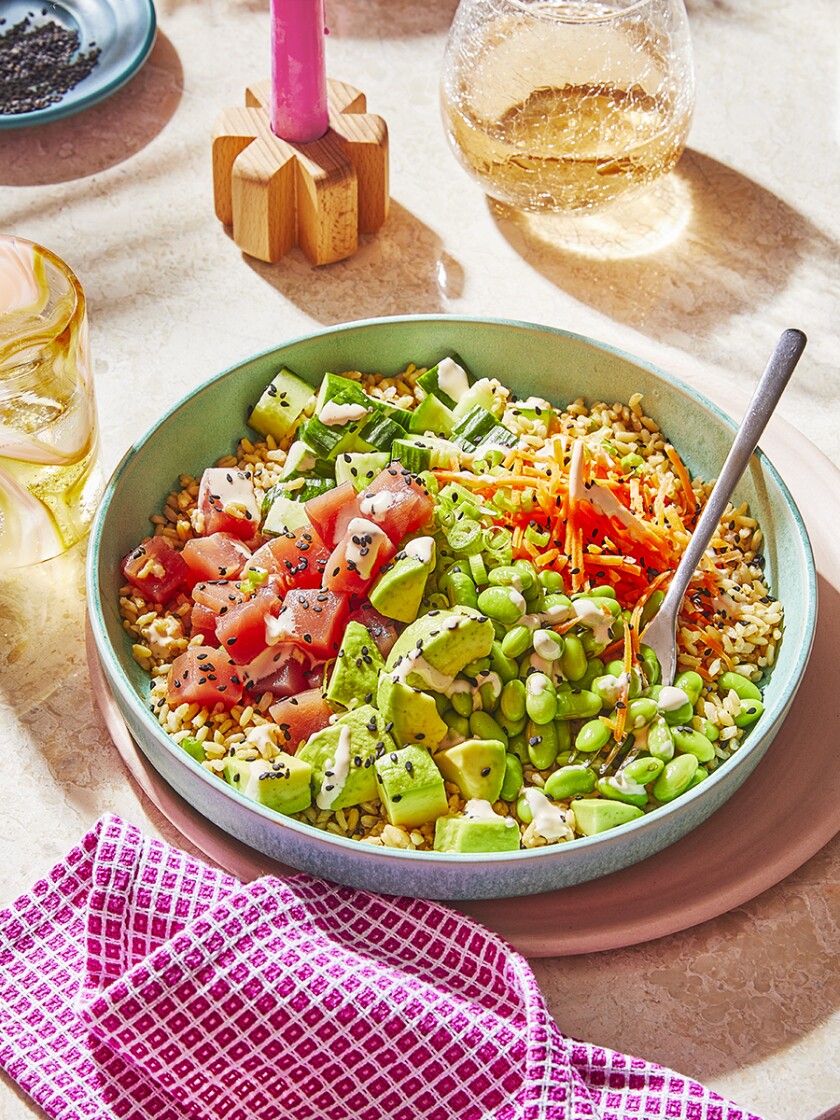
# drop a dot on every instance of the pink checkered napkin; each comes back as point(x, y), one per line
point(136, 982)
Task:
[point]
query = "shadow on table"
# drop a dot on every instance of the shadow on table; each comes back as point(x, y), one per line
point(704, 245)
point(401, 270)
point(101, 136)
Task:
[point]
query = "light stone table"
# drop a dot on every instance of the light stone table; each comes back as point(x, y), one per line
point(748, 1002)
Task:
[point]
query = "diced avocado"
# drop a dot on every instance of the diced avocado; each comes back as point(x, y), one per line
point(463, 833)
point(432, 415)
point(481, 392)
point(593, 815)
point(193, 747)
point(284, 515)
point(413, 714)
point(440, 644)
point(355, 673)
point(342, 757)
point(284, 784)
point(398, 591)
point(411, 787)
point(279, 407)
point(476, 766)
point(360, 467)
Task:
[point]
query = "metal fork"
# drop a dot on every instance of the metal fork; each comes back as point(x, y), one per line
point(661, 633)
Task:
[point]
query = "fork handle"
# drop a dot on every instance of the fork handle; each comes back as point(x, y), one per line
point(779, 369)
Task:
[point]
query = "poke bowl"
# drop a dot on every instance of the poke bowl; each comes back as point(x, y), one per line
point(373, 602)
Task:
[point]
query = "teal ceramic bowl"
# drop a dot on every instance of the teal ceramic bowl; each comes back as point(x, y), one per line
point(530, 359)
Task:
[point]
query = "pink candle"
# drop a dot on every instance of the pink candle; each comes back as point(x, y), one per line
point(298, 74)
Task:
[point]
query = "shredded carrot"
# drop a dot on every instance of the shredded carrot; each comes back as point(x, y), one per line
point(685, 481)
point(546, 558)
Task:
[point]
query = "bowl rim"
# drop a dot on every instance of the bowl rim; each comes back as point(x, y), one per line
point(603, 840)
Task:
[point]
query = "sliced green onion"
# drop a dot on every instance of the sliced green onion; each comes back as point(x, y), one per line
point(537, 536)
point(465, 537)
point(478, 569)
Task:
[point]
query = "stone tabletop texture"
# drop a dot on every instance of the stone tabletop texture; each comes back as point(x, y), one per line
point(748, 1002)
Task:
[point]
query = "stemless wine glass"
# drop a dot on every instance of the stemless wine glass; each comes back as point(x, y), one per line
point(566, 105)
point(50, 477)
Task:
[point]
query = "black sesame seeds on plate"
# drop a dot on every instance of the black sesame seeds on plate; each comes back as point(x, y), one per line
point(39, 63)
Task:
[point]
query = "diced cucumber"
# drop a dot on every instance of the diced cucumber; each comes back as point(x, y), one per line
point(334, 386)
point(280, 405)
point(479, 426)
point(284, 515)
point(360, 467)
point(380, 432)
point(400, 416)
point(448, 381)
point(479, 393)
point(302, 460)
point(313, 486)
point(422, 453)
point(432, 415)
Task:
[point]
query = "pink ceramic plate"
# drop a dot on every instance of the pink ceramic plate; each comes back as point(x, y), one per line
point(747, 846)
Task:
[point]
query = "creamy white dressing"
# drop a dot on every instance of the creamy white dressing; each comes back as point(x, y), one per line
point(622, 782)
point(577, 491)
point(263, 738)
point(334, 415)
point(557, 612)
point(671, 698)
point(422, 549)
point(548, 820)
point(231, 488)
point(363, 544)
point(452, 379)
point(611, 688)
point(338, 768)
point(415, 662)
point(537, 683)
point(479, 810)
point(546, 646)
point(377, 505)
point(605, 502)
point(594, 618)
point(517, 599)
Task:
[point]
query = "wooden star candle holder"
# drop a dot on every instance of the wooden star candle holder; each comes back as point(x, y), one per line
point(320, 195)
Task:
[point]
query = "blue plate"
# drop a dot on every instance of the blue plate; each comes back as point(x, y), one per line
point(124, 31)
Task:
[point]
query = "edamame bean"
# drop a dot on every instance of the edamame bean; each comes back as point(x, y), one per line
point(617, 787)
point(644, 769)
point(506, 576)
point(689, 741)
point(699, 774)
point(551, 581)
point(740, 685)
point(499, 630)
point(512, 701)
point(548, 645)
point(489, 692)
point(749, 713)
point(557, 607)
point(579, 704)
point(457, 723)
point(441, 703)
point(650, 664)
point(708, 729)
point(523, 810)
point(674, 716)
point(641, 712)
point(483, 726)
point(542, 744)
point(592, 737)
point(604, 591)
point(660, 741)
point(462, 702)
point(573, 658)
point(519, 746)
point(594, 669)
point(540, 698)
point(650, 608)
point(616, 669)
point(512, 726)
point(503, 604)
point(691, 683)
point(473, 668)
point(675, 778)
point(516, 642)
point(513, 778)
point(460, 589)
point(569, 781)
point(529, 577)
point(506, 667)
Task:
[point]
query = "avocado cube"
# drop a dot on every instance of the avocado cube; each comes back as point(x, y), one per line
point(342, 757)
point(446, 641)
point(413, 714)
point(470, 834)
point(476, 766)
point(411, 787)
point(593, 815)
point(398, 591)
point(283, 784)
point(355, 673)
